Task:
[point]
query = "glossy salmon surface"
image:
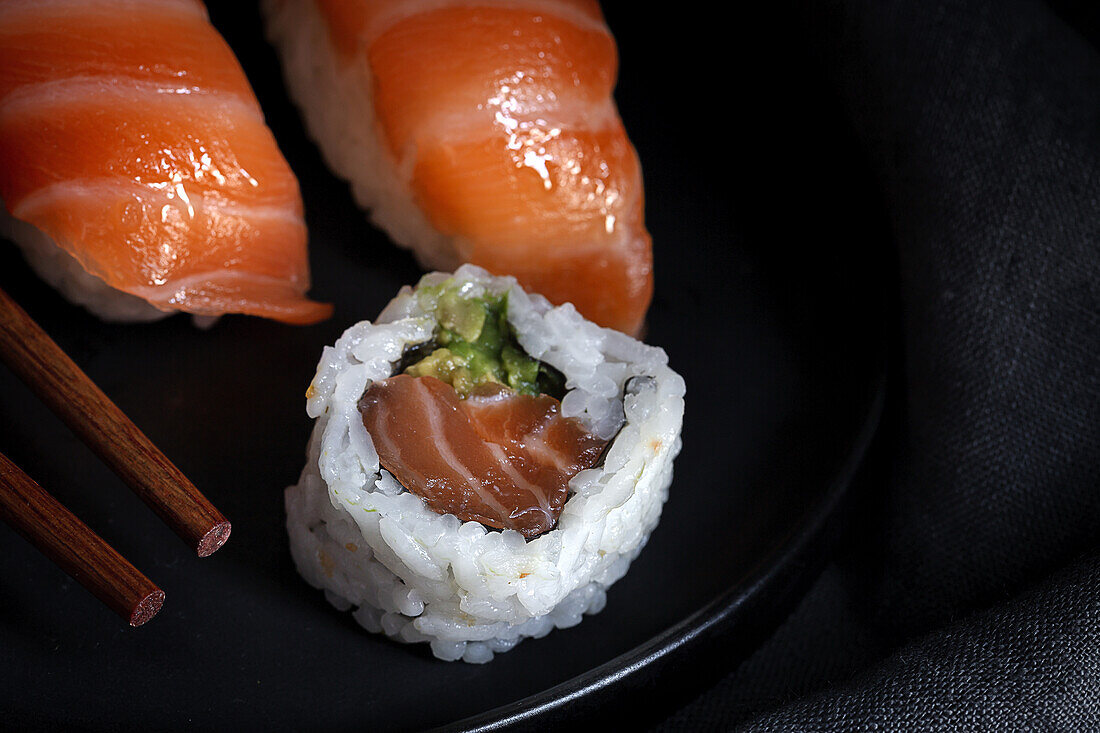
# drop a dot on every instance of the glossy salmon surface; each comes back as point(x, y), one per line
point(131, 137)
point(497, 457)
point(502, 116)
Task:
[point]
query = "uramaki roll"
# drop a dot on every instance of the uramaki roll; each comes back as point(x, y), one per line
point(449, 497)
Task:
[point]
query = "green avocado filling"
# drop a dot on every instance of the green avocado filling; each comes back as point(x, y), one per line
point(474, 344)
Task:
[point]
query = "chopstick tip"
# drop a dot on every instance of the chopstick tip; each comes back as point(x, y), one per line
point(147, 607)
point(214, 538)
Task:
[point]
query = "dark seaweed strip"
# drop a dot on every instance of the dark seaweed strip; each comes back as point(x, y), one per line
point(414, 354)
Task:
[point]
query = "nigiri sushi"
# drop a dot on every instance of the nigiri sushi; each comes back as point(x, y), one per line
point(136, 169)
point(480, 132)
point(483, 465)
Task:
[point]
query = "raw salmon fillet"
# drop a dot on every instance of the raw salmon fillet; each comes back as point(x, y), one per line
point(130, 136)
point(497, 457)
point(500, 123)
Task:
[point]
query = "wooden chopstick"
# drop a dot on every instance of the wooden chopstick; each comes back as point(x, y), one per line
point(79, 551)
point(89, 413)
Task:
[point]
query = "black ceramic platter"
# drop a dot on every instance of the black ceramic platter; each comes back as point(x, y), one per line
point(767, 301)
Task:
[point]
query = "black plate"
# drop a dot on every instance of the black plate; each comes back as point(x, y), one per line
point(765, 303)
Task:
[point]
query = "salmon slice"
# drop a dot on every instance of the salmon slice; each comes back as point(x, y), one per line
point(131, 137)
point(502, 117)
point(113, 38)
point(497, 457)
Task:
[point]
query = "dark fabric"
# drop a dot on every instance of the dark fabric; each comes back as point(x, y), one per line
point(966, 593)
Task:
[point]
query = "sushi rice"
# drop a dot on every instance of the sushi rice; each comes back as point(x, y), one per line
point(469, 591)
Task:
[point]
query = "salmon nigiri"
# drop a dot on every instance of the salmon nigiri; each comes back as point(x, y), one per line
point(136, 166)
point(481, 132)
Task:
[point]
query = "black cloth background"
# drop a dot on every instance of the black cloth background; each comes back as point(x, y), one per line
point(966, 591)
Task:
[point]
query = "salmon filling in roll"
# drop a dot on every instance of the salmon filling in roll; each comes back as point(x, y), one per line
point(471, 428)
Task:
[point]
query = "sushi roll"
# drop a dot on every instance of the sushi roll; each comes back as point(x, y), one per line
point(136, 171)
point(480, 132)
point(483, 465)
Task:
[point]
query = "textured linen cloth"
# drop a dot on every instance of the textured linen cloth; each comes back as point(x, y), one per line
point(966, 592)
